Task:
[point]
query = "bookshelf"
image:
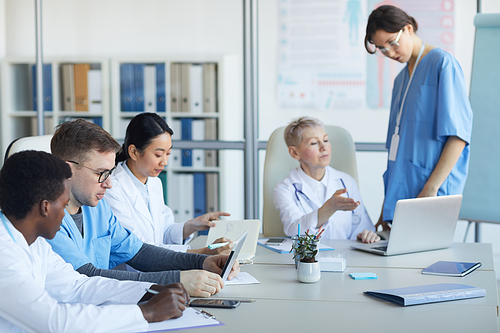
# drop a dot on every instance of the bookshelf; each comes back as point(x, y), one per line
point(18, 116)
point(193, 96)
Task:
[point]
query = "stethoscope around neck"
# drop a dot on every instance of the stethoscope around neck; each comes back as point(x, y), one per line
point(298, 193)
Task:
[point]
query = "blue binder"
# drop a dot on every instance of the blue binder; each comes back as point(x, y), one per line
point(139, 87)
point(160, 88)
point(186, 129)
point(199, 190)
point(127, 88)
point(47, 86)
point(199, 194)
point(97, 121)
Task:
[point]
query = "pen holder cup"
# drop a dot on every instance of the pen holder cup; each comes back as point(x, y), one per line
point(313, 245)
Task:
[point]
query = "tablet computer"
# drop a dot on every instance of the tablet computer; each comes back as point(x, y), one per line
point(233, 256)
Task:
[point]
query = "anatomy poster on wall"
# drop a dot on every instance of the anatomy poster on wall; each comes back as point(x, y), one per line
point(322, 62)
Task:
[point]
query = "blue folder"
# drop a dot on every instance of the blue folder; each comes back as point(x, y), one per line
point(47, 86)
point(127, 87)
point(160, 88)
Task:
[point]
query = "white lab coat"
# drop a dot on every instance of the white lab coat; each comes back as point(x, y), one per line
point(155, 227)
point(40, 292)
point(305, 211)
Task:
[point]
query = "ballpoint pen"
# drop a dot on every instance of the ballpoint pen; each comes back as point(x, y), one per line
point(217, 245)
point(151, 291)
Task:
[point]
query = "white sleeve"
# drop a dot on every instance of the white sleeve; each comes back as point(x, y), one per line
point(26, 303)
point(291, 214)
point(366, 222)
point(174, 231)
point(123, 212)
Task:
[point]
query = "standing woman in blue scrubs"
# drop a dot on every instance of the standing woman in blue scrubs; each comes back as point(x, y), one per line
point(430, 120)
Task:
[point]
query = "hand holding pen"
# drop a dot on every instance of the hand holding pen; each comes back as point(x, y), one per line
point(164, 302)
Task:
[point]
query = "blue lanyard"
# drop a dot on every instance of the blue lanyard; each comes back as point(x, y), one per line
point(7, 227)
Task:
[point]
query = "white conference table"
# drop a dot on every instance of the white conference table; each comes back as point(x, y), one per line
point(337, 303)
point(469, 252)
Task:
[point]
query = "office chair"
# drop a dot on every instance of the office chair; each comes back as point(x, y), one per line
point(278, 164)
point(29, 143)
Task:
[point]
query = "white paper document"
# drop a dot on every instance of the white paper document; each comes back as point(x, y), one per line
point(191, 317)
point(242, 278)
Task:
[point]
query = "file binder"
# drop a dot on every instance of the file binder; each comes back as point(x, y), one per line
point(175, 87)
point(199, 192)
point(47, 86)
point(211, 134)
point(198, 134)
point(139, 87)
point(209, 88)
point(185, 88)
point(94, 90)
point(127, 87)
point(196, 88)
point(160, 88)
point(150, 88)
point(186, 128)
point(68, 87)
point(81, 87)
point(431, 293)
point(212, 179)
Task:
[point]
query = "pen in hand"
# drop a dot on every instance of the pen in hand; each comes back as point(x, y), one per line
point(151, 291)
point(217, 245)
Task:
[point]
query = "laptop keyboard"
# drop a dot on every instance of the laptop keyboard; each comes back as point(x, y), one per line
point(381, 248)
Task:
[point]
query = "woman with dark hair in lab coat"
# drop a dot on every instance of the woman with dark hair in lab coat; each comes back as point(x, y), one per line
point(136, 197)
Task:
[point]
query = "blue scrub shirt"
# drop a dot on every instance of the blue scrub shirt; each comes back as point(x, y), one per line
point(436, 107)
point(105, 244)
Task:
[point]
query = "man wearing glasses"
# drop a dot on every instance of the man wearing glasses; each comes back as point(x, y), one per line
point(93, 240)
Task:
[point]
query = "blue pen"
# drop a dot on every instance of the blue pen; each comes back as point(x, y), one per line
point(217, 245)
point(298, 232)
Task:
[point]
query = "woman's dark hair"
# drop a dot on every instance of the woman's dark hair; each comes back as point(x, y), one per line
point(29, 177)
point(388, 18)
point(141, 131)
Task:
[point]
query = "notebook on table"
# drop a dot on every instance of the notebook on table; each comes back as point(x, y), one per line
point(451, 268)
point(420, 224)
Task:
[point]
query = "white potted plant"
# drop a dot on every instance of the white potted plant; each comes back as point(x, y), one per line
point(305, 249)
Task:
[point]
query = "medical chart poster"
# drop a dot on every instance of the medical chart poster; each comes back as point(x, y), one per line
point(322, 62)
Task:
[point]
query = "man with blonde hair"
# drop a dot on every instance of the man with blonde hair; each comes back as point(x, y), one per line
point(317, 196)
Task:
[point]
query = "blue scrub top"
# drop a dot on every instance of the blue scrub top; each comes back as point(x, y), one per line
point(436, 107)
point(105, 244)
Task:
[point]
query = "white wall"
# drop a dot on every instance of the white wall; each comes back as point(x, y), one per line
point(136, 29)
point(146, 28)
point(364, 125)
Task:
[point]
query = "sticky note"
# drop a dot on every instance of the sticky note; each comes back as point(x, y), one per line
point(363, 276)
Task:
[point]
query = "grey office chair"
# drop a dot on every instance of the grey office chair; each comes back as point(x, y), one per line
point(41, 142)
point(278, 164)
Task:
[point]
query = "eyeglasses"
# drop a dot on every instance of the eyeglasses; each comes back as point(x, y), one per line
point(103, 175)
point(393, 46)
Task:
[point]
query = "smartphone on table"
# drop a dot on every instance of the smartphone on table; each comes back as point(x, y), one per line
point(275, 241)
point(214, 303)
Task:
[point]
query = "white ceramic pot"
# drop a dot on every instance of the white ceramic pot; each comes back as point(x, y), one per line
point(308, 272)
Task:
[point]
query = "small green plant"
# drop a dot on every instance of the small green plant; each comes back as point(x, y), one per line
point(306, 248)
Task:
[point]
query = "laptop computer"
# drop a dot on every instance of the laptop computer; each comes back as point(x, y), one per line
point(232, 229)
point(420, 224)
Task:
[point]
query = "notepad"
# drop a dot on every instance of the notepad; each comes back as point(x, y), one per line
point(287, 246)
point(431, 293)
point(191, 318)
point(451, 268)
